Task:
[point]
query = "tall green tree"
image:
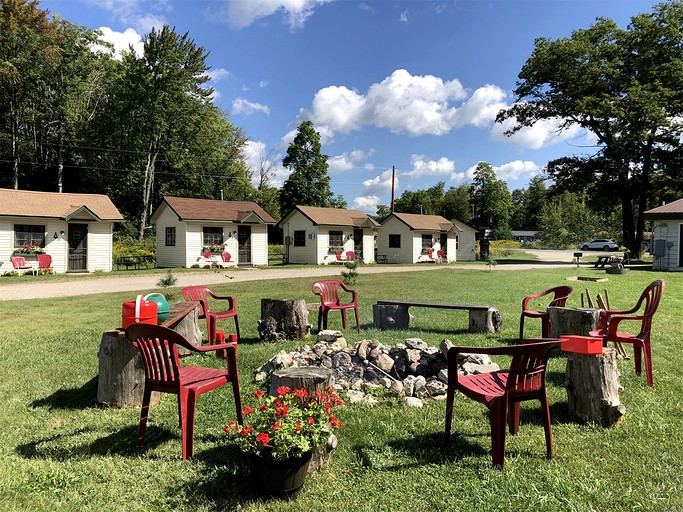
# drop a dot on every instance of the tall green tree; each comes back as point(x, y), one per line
point(309, 183)
point(567, 221)
point(492, 200)
point(624, 86)
point(457, 203)
point(426, 202)
point(27, 52)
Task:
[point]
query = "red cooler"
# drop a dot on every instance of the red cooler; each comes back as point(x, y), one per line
point(139, 311)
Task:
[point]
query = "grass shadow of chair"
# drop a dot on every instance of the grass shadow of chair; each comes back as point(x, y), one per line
point(429, 449)
point(71, 398)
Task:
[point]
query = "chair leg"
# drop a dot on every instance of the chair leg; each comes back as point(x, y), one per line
point(647, 352)
point(237, 328)
point(545, 326)
point(513, 418)
point(320, 316)
point(144, 413)
point(211, 328)
point(498, 417)
point(187, 434)
point(231, 358)
point(638, 358)
point(450, 399)
point(545, 409)
point(343, 313)
point(357, 319)
point(521, 327)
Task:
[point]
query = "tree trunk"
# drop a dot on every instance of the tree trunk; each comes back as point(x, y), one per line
point(391, 316)
point(283, 319)
point(148, 185)
point(121, 379)
point(579, 321)
point(593, 387)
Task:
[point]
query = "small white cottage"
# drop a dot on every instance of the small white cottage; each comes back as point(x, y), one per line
point(314, 235)
point(75, 229)
point(187, 228)
point(465, 241)
point(667, 236)
point(409, 237)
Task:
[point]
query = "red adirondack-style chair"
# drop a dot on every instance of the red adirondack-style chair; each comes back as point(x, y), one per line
point(226, 257)
point(350, 256)
point(328, 290)
point(44, 261)
point(440, 256)
point(610, 320)
point(202, 294)
point(501, 391)
point(159, 348)
point(19, 263)
point(338, 255)
point(560, 296)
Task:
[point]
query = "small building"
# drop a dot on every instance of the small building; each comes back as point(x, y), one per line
point(526, 236)
point(666, 244)
point(408, 237)
point(313, 235)
point(185, 227)
point(75, 229)
point(465, 241)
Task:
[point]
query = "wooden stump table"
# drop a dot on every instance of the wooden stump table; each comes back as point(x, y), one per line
point(121, 379)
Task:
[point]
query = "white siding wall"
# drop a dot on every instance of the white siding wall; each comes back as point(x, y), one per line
point(324, 255)
point(194, 240)
point(368, 246)
point(58, 248)
point(170, 256)
point(99, 246)
point(308, 253)
point(467, 247)
point(404, 254)
point(668, 230)
point(259, 244)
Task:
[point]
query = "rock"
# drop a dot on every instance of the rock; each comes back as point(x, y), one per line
point(436, 387)
point(475, 358)
point(411, 401)
point(412, 355)
point(396, 387)
point(362, 349)
point(416, 343)
point(420, 390)
point(443, 376)
point(444, 346)
point(354, 396)
point(260, 376)
point(384, 363)
point(341, 360)
point(319, 349)
point(329, 336)
point(473, 369)
point(369, 400)
point(409, 385)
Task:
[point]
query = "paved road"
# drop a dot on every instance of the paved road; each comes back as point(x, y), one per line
point(144, 282)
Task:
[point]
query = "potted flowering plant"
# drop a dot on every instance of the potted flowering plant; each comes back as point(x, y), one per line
point(214, 248)
point(335, 248)
point(425, 249)
point(29, 249)
point(279, 435)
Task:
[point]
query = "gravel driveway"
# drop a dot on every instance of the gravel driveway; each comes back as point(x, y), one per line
point(146, 282)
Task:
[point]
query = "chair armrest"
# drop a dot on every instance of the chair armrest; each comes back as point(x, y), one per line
point(231, 300)
point(219, 346)
point(614, 320)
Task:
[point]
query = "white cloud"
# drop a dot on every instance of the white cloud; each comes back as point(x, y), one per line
point(379, 184)
point(517, 169)
point(417, 105)
point(121, 41)
point(143, 16)
point(365, 204)
point(404, 16)
point(242, 13)
point(422, 167)
point(346, 161)
point(218, 74)
point(543, 133)
point(263, 84)
point(247, 108)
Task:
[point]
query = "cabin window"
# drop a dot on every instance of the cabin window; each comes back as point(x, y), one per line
point(299, 239)
point(213, 236)
point(457, 242)
point(336, 239)
point(170, 236)
point(426, 241)
point(28, 234)
point(394, 241)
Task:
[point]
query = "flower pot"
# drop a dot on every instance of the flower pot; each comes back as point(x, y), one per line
point(283, 478)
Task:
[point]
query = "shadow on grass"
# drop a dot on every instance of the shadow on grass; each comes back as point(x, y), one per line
point(431, 449)
point(72, 398)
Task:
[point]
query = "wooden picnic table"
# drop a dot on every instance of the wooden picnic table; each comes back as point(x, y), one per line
point(602, 261)
point(135, 261)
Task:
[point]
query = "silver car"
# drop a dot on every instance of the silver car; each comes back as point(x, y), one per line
point(603, 244)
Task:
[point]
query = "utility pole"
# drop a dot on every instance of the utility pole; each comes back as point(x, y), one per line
point(393, 179)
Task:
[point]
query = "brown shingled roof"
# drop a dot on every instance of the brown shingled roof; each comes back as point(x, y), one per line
point(424, 222)
point(29, 203)
point(336, 216)
point(214, 209)
point(667, 210)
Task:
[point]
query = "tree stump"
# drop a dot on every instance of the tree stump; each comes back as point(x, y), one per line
point(391, 316)
point(593, 387)
point(184, 319)
point(283, 319)
point(485, 320)
point(121, 380)
point(578, 321)
point(312, 379)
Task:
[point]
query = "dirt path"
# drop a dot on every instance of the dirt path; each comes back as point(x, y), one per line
point(146, 282)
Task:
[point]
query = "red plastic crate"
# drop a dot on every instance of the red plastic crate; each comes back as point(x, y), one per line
point(581, 344)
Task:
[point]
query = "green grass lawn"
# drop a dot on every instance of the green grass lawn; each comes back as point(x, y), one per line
point(61, 451)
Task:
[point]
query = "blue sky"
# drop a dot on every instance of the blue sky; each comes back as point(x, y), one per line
point(411, 84)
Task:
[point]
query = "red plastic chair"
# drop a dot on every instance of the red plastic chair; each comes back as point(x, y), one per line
point(350, 256)
point(159, 348)
point(501, 391)
point(560, 296)
point(610, 320)
point(202, 294)
point(19, 263)
point(328, 290)
point(44, 261)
